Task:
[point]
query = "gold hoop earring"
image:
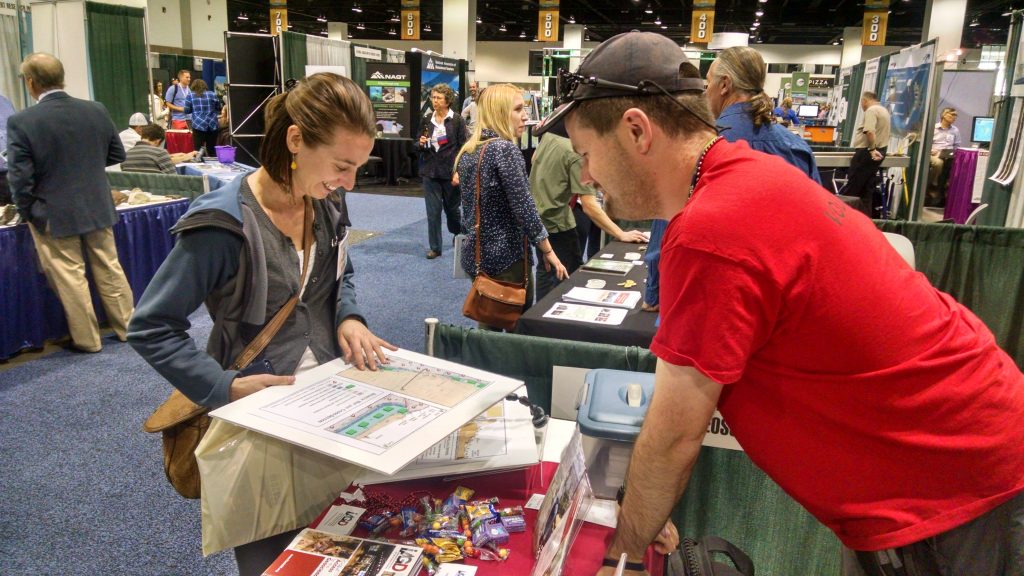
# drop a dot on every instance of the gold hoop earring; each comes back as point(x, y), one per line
point(294, 165)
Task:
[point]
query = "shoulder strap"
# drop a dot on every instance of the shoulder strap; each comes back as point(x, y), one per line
point(259, 343)
point(479, 169)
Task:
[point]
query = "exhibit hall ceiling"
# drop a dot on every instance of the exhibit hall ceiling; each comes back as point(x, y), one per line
point(809, 22)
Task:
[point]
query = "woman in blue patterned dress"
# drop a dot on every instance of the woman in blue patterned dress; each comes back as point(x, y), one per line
point(508, 216)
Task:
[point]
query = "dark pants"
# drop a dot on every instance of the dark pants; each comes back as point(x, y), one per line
point(589, 234)
point(514, 273)
point(439, 194)
point(208, 139)
point(253, 558)
point(990, 545)
point(567, 247)
point(5, 190)
point(862, 179)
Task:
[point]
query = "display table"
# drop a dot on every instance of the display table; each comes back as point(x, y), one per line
point(32, 313)
point(961, 185)
point(399, 156)
point(219, 174)
point(637, 329)
point(514, 489)
point(179, 141)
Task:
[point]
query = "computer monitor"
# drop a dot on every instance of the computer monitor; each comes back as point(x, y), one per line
point(807, 111)
point(981, 131)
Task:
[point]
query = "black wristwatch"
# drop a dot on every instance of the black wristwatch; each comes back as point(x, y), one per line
point(633, 566)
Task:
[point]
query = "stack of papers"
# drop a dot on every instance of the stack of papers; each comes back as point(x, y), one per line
point(614, 298)
point(582, 313)
point(608, 266)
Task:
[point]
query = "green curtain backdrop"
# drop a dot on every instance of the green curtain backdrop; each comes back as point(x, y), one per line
point(980, 266)
point(117, 59)
point(293, 51)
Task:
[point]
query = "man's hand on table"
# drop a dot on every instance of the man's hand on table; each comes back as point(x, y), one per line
point(634, 236)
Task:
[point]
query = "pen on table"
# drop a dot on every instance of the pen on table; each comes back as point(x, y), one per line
point(621, 568)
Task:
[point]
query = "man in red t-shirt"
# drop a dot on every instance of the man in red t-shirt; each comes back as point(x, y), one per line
point(880, 404)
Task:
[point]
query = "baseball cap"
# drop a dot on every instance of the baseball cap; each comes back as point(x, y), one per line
point(138, 119)
point(633, 63)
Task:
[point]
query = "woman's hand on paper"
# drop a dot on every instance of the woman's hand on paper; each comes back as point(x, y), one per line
point(360, 347)
point(245, 385)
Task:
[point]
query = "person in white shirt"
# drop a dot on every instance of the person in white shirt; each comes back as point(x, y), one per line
point(469, 106)
point(131, 135)
point(945, 140)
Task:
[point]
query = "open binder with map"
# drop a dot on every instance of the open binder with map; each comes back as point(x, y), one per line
point(381, 420)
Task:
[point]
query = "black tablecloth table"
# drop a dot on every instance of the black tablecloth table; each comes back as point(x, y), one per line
point(31, 314)
point(637, 329)
point(399, 156)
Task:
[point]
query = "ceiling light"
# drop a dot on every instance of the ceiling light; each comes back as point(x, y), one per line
point(264, 30)
point(321, 18)
point(756, 24)
point(479, 21)
point(760, 41)
point(356, 8)
point(664, 27)
point(974, 22)
point(835, 42)
point(522, 34)
point(323, 32)
point(572, 19)
point(753, 28)
point(657, 20)
point(242, 16)
point(502, 28)
point(649, 11)
point(426, 28)
point(763, 1)
point(360, 26)
point(391, 32)
point(759, 13)
point(395, 18)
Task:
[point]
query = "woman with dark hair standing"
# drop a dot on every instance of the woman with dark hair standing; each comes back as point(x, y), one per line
point(204, 106)
point(508, 214)
point(241, 250)
point(441, 137)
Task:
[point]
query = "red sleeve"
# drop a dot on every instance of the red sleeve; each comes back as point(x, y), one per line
point(715, 313)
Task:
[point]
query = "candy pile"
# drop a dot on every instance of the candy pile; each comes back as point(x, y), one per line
point(451, 530)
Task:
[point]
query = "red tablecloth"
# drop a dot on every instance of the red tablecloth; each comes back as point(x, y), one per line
point(514, 489)
point(179, 141)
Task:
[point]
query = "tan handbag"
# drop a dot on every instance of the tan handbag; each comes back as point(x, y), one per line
point(183, 422)
point(494, 302)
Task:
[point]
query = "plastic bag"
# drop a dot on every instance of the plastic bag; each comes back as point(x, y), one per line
point(255, 486)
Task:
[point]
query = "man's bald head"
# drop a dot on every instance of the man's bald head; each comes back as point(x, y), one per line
point(44, 70)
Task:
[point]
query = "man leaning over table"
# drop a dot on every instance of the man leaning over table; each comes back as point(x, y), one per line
point(57, 152)
point(895, 421)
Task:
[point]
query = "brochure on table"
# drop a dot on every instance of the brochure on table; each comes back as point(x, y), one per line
point(616, 298)
point(583, 313)
point(502, 437)
point(318, 553)
point(381, 420)
point(562, 511)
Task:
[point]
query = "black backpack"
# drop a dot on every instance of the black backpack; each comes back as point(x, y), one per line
point(695, 558)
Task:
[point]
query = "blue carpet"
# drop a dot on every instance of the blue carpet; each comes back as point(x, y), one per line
point(83, 489)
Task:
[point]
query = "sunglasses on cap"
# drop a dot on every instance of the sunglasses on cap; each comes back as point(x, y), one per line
point(568, 85)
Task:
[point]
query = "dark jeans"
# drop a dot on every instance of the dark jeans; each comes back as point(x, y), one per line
point(990, 545)
point(208, 139)
point(567, 247)
point(253, 558)
point(439, 194)
point(514, 273)
point(589, 234)
point(5, 190)
point(861, 179)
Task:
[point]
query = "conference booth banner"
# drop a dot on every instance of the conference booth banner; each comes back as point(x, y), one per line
point(389, 86)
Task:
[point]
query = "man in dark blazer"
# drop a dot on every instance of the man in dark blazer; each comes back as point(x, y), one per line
point(57, 153)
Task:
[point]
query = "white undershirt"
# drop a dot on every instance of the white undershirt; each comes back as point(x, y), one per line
point(308, 360)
